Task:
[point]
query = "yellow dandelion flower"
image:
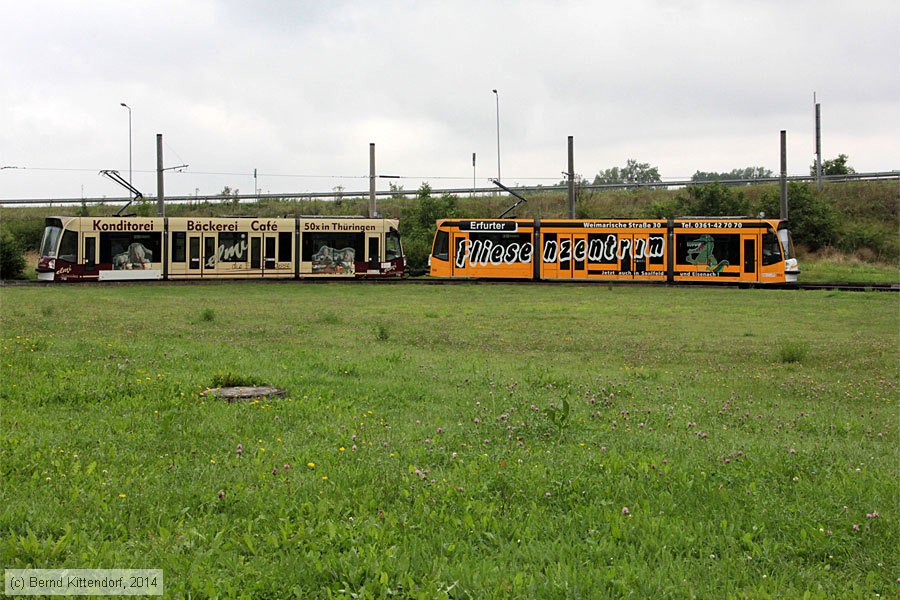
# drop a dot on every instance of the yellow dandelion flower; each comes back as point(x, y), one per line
point(311, 465)
point(324, 477)
point(212, 461)
point(341, 449)
point(122, 496)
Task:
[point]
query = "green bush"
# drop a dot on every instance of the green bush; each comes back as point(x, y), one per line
point(866, 238)
point(12, 256)
point(791, 351)
point(709, 200)
point(813, 223)
point(417, 225)
point(417, 247)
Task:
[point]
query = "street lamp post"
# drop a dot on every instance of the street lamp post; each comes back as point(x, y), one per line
point(129, 142)
point(497, 95)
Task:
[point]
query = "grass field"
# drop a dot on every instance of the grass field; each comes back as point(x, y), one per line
point(465, 441)
point(842, 269)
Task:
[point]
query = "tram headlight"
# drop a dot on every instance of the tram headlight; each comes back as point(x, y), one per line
point(52, 264)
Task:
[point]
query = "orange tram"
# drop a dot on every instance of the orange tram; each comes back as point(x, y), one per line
point(690, 249)
point(141, 248)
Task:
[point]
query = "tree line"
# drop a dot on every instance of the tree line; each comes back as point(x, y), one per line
point(636, 172)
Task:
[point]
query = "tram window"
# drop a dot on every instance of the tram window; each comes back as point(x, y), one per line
point(694, 249)
point(233, 247)
point(656, 257)
point(68, 248)
point(441, 246)
point(497, 248)
point(314, 242)
point(771, 249)
point(209, 252)
point(392, 247)
point(178, 246)
point(603, 249)
point(130, 250)
point(284, 246)
point(113, 245)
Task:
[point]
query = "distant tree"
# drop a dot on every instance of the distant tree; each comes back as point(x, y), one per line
point(635, 172)
point(632, 172)
point(396, 190)
point(835, 166)
point(580, 180)
point(608, 176)
point(227, 192)
point(734, 174)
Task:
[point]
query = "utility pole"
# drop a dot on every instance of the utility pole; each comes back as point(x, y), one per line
point(255, 185)
point(130, 172)
point(571, 178)
point(818, 143)
point(160, 194)
point(784, 190)
point(497, 95)
point(372, 211)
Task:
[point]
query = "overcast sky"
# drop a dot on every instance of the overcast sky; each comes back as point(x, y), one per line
point(298, 90)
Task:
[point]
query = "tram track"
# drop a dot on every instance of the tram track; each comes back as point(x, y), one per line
point(814, 286)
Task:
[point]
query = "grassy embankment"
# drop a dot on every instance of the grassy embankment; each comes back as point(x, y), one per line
point(465, 441)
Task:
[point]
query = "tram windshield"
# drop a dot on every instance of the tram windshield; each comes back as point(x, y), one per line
point(392, 245)
point(786, 243)
point(771, 248)
point(50, 241)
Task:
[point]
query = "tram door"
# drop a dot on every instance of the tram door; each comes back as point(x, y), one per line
point(269, 253)
point(372, 249)
point(564, 256)
point(574, 248)
point(195, 265)
point(262, 252)
point(458, 250)
point(749, 270)
point(89, 256)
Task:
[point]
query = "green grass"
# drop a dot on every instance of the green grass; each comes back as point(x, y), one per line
point(466, 441)
point(841, 269)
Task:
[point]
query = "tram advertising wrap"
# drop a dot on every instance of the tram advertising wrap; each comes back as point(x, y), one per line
point(134, 248)
point(705, 249)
